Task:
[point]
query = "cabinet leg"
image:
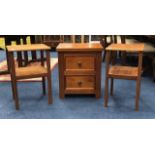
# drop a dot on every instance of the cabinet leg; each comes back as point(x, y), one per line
point(98, 95)
point(62, 95)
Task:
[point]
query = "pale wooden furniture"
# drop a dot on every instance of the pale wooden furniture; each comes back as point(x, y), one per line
point(123, 72)
point(28, 72)
point(79, 68)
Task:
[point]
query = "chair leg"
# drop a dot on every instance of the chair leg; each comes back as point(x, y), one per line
point(112, 87)
point(15, 94)
point(49, 90)
point(44, 85)
point(137, 95)
point(106, 92)
point(13, 91)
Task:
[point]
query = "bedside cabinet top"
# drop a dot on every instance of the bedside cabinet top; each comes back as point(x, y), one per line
point(80, 47)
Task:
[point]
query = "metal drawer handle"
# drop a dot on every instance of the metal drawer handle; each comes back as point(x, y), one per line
point(80, 83)
point(79, 64)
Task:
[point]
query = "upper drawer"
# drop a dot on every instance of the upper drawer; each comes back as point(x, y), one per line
point(80, 62)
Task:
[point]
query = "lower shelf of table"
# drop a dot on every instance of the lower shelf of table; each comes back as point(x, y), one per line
point(124, 72)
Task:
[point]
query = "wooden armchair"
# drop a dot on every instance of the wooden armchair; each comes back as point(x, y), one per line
point(28, 72)
point(123, 72)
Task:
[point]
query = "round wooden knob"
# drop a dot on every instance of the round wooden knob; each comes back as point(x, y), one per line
point(79, 64)
point(80, 83)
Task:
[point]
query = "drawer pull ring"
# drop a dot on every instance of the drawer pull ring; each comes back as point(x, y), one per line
point(80, 83)
point(79, 64)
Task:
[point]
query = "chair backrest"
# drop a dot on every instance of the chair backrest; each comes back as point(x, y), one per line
point(2, 43)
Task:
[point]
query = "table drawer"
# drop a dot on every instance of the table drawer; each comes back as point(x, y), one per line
point(80, 82)
point(79, 63)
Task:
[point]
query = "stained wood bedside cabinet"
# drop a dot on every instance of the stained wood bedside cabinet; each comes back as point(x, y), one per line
point(79, 68)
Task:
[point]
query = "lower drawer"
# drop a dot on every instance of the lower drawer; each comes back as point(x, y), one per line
point(81, 84)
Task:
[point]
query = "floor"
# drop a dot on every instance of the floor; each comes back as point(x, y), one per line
point(33, 105)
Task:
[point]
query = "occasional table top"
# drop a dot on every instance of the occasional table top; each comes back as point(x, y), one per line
point(80, 47)
point(30, 47)
point(137, 47)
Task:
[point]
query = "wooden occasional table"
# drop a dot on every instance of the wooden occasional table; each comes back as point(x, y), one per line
point(79, 68)
point(124, 72)
point(28, 72)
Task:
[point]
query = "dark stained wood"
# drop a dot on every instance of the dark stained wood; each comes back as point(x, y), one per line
point(123, 72)
point(138, 84)
point(29, 71)
point(33, 71)
point(79, 62)
point(79, 47)
point(98, 66)
point(79, 68)
point(43, 78)
point(27, 47)
point(14, 80)
point(139, 47)
point(80, 82)
point(49, 77)
point(106, 90)
point(61, 75)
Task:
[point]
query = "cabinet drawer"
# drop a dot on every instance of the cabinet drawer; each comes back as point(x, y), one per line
point(80, 82)
point(79, 63)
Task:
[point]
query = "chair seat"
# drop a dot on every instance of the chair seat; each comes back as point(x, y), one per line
point(30, 71)
point(123, 72)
